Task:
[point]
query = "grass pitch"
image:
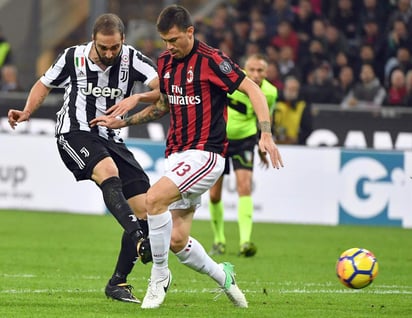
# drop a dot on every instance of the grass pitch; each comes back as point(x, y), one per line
point(56, 265)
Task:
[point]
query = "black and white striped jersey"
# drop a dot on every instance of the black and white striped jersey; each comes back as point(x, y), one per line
point(89, 90)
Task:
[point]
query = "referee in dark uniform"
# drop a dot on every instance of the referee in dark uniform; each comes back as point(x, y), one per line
point(97, 75)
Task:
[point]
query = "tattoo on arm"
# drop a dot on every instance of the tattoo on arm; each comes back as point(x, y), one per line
point(150, 113)
point(265, 127)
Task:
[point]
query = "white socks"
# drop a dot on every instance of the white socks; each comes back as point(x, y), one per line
point(160, 231)
point(194, 256)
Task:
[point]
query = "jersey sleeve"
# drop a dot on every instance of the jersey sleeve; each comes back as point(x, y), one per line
point(225, 73)
point(146, 67)
point(57, 75)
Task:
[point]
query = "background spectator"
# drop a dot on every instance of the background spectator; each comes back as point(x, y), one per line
point(319, 31)
point(258, 34)
point(367, 56)
point(346, 20)
point(240, 37)
point(292, 121)
point(273, 75)
point(272, 53)
point(341, 60)
point(372, 36)
point(397, 89)
point(373, 10)
point(343, 84)
point(302, 22)
point(402, 12)
point(408, 97)
point(219, 26)
point(314, 58)
point(335, 42)
point(397, 37)
point(9, 79)
point(286, 37)
point(368, 91)
point(402, 61)
point(319, 88)
point(5, 50)
point(286, 64)
point(279, 11)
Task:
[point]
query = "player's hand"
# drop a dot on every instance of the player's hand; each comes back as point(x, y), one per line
point(17, 116)
point(108, 121)
point(124, 106)
point(264, 162)
point(267, 145)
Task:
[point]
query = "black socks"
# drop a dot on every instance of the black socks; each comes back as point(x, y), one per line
point(126, 260)
point(118, 206)
point(127, 256)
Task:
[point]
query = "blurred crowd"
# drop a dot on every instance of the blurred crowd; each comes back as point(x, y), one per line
point(353, 53)
point(8, 71)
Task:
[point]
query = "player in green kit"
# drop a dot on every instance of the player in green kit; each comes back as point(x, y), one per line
point(242, 134)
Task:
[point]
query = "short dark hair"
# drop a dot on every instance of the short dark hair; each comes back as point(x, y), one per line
point(108, 24)
point(174, 15)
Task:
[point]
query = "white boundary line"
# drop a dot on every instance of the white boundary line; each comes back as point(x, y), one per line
point(285, 287)
point(377, 291)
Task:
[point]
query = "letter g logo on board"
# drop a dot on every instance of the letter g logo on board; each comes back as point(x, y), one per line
point(373, 188)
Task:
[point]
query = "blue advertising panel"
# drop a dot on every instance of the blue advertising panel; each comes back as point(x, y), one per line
point(373, 188)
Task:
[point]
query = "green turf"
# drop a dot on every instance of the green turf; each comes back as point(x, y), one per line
point(56, 265)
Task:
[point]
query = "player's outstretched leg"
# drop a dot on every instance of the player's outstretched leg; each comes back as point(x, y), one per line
point(230, 287)
point(194, 256)
point(117, 287)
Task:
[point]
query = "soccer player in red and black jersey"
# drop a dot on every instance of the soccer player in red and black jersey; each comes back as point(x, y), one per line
point(194, 80)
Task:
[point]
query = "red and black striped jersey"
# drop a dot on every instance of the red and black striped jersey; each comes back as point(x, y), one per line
point(196, 87)
point(89, 90)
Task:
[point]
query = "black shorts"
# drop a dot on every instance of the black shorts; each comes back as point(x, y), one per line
point(81, 151)
point(241, 153)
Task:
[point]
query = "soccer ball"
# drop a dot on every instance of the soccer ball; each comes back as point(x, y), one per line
point(357, 268)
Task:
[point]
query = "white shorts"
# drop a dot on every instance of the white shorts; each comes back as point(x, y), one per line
point(193, 172)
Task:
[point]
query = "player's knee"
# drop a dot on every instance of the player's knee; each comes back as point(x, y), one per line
point(155, 203)
point(214, 199)
point(104, 170)
point(215, 194)
point(178, 242)
point(244, 189)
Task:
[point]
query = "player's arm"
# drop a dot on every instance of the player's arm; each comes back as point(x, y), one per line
point(150, 113)
point(259, 103)
point(271, 101)
point(37, 95)
point(127, 104)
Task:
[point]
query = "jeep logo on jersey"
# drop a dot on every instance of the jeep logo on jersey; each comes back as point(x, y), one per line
point(101, 91)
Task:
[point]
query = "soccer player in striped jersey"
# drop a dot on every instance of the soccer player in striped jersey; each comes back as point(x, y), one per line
point(194, 80)
point(242, 135)
point(97, 75)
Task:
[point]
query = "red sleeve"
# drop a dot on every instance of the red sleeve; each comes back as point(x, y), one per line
point(225, 73)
